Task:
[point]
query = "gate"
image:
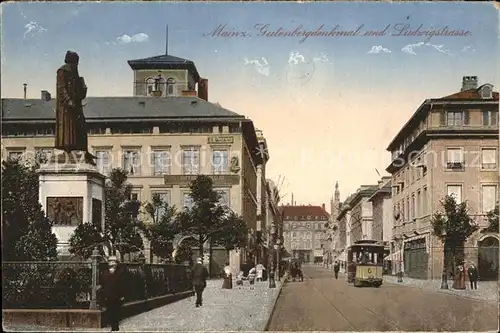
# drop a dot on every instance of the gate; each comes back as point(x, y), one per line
point(416, 259)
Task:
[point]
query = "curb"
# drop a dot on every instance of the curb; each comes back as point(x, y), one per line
point(268, 322)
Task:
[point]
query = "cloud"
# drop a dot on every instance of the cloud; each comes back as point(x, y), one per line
point(126, 39)
point(379, 49)
point(410, 48)
point(261, 67)
point(33, 28)
point(468, 48)
point(296, 58)
point(322, 58)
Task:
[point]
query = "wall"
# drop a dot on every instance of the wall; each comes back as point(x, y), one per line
point(180, 76)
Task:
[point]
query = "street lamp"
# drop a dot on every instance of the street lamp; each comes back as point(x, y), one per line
point(444, 276)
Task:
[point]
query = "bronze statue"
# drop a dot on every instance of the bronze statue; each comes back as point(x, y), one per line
point(71, 129)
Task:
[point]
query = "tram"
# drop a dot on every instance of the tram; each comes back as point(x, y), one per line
point(365, 263)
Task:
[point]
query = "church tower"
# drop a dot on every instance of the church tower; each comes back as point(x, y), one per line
point(335, 203)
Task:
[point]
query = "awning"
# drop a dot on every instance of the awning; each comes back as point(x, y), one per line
point(396, 256)
point(341, 257)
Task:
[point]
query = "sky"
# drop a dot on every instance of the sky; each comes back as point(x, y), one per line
point(327, 104)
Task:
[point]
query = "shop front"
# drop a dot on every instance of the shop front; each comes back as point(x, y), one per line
point(416, 258)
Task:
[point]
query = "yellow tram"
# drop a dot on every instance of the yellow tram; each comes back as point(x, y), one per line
point(365, 263)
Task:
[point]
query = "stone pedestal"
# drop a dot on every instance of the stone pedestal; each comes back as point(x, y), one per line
point(71, 192)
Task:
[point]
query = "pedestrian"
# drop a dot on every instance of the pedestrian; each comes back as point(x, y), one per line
point(251, 277)
point(336, 269)
point(200, 274)
point(472, 272)
point(239, 279)
point(228, 277)
point(113, 288)
point(260, 272)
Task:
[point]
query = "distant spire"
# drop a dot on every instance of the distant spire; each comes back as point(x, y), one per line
point(166, 40)
point(337, 192)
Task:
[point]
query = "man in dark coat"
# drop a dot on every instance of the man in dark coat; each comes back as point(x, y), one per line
point(71, 130)
point(473, 276)
point(200, 274)
point(113, 288)
point(336, 269)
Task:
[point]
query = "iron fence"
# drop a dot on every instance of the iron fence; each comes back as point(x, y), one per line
point(54, 284)
point(74, 285)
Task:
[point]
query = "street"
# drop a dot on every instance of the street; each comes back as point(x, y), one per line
point(321, 303)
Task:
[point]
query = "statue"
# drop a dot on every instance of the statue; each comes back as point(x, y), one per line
point(71, 130)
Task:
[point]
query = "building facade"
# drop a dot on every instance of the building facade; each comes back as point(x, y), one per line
point(162, 140)
point(449, 146)
point(304, 231)
point(361, 221)
point(382, 217)
point(332, 229)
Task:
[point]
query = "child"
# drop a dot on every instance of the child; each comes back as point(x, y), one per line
point(239, 279)
point(251, 277)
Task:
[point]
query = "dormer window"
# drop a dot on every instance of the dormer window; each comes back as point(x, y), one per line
point(486, 91)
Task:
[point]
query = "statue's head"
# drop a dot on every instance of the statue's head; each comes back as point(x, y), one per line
point(71, 58)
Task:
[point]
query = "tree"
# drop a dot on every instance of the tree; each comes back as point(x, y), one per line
point(492, 220)
point(233, 233)
point(205, 218)
point(163, 227)
point(26, 231)
point(122, 228)
point(184, 253)
point(453, 227)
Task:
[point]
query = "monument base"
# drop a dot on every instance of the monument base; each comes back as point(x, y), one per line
point(71, 191)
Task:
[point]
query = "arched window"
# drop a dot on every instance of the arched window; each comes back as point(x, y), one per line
point(170, 86)
point(150, 85)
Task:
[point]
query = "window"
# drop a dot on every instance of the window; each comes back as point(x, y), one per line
point(103, 161)
point(220, 161)
point(489, 196)
point(161, 162)
point(187, 201)
point(131, 161)
point(486, 92)
point(150, 85)
point(170, 85)
point(224, 197)
point(42, 155)
point(407, 215)
point(490, 118)
point(165, 198)
point(134, 196)
point(413, 208)
point(488, 158)
point(455, 118)
point(418, 212)
point(455, 158)
point(456, 192)
point(424, 201)
point(190, 161)
point(15, 155)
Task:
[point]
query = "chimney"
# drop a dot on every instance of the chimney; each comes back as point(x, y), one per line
point(203, 89)
point(46, 96)
point(469, 82)
point(25, 85)
point(323, 206)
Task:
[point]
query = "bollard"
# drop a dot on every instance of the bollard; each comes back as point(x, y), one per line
point(272, 282)
point(95, 276)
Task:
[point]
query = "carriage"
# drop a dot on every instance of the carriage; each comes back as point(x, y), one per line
point(365, 263)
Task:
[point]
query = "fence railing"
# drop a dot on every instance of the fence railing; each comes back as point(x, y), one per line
point(74, 285)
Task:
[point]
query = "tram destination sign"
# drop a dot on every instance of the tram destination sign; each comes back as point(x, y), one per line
point(218, 180)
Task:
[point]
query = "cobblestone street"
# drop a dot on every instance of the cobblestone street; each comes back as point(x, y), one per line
point(321, 303)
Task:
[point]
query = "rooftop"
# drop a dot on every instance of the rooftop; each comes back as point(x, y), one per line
point(291, 212)
point(116, 108)
point(165, 61)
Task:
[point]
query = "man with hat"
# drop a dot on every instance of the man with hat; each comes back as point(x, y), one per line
point(200, 274)
point(113, 286)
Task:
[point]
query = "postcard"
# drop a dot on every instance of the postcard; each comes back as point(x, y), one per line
point(258, 166)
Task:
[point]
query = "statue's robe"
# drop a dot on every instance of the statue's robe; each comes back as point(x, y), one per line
point(71, 131)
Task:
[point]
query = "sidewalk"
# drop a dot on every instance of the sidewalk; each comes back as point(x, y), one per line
point(486, 290)
point(223, 310)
